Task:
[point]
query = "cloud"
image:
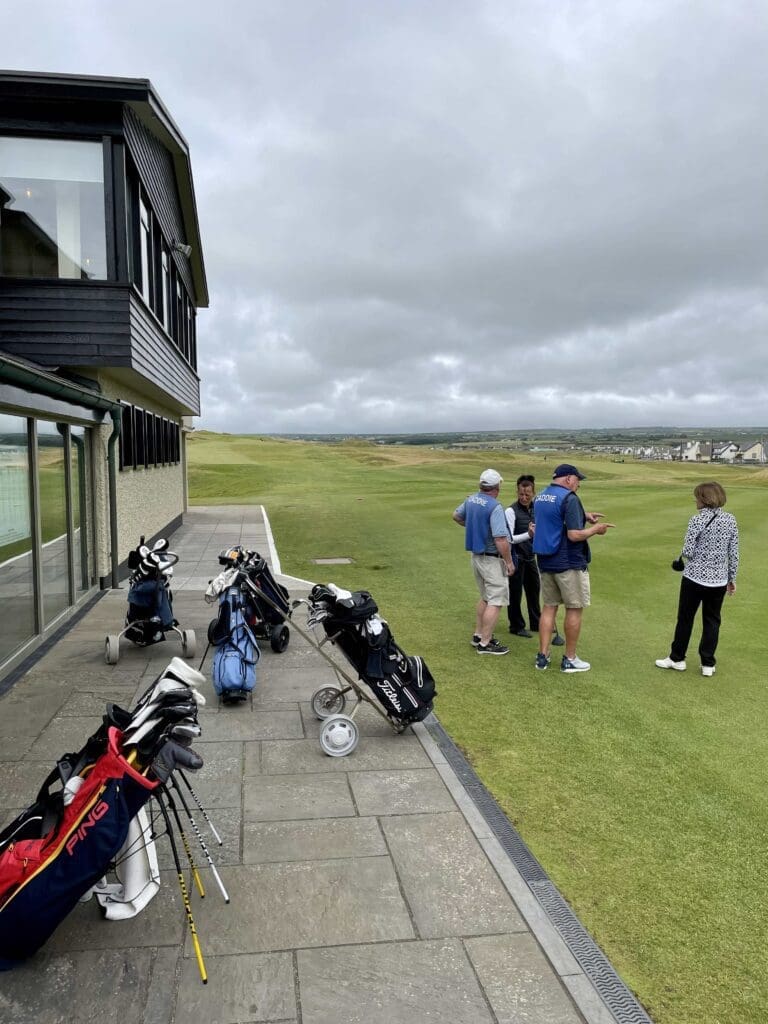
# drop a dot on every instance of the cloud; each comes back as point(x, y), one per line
point(440, 215)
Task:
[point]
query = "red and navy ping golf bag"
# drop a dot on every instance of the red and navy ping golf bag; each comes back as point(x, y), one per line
point(59, 847)
point(402, 683)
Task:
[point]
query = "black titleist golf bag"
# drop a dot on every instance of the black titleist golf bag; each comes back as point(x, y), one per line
point(402, 683)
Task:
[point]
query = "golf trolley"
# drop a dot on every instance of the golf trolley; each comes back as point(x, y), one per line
point(150, 603)
point(397, 686)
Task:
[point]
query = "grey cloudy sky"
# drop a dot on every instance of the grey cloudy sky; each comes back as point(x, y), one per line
point(432, 214)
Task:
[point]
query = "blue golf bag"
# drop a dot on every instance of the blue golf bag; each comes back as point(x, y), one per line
point(237, 652)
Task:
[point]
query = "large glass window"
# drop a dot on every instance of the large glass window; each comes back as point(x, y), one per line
point(52, 209)
point(53, 519)
point(17, 602)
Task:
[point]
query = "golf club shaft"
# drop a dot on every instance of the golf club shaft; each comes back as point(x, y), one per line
point(205, 655)
point(196, 798)
point(200, 839)
point(185, 843)
point(184, 894)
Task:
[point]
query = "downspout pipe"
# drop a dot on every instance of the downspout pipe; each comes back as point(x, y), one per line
point(112, 467)
point(18, 371)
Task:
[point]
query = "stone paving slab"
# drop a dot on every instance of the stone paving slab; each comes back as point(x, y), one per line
point(20, 782)
point(400, 792)
point(228, 823)
point(251, 987)
point(424, 982)
point(292, 797)
point(93, 987)
point(30, 720)
point(63, 734)
point(289, 684)
point(321, 839)
point(311, 903)
point(241, 723)
point(219, 782)
point(294, 756)
point(83, 703)
point(450, 886)
point(519, 982)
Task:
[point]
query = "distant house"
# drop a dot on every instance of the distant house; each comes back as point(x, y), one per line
point(725, 452)
point(101, 277)
point(752, 452)
point(697, 451)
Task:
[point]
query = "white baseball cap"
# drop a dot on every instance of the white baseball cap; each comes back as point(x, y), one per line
point(490, 478)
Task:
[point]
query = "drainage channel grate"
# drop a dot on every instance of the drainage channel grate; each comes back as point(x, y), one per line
point(612, 990)
point(332, 561)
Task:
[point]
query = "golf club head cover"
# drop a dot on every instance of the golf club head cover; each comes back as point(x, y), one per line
point(179, 669)
point(171, 756)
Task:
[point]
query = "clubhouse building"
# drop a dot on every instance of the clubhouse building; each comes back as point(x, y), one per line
point(101, 277)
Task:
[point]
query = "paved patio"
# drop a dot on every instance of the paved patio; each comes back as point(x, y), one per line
point(364, 889)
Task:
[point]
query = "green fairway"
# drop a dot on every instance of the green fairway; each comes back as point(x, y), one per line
point(640, 791)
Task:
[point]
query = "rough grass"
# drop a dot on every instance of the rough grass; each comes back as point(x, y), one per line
point(640, 791)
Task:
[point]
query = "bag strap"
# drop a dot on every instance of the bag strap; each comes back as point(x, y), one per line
point(713, 518)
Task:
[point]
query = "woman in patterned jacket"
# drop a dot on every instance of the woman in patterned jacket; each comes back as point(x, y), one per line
point(711, 550)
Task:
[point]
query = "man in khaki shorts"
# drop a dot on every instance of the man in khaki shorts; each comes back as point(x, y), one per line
point(487, 537)
point(560, 542)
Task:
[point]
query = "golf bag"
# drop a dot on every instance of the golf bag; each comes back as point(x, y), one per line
point(260, 575)
point(150, 600)
point(150, 611)
point(237, 652)
point(267, 601)
point(60, 847)
point(403, 684)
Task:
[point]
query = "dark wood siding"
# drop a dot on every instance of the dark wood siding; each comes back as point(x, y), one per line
point(154, 356)
point(65, 324)
point(68, 324)
point(52, 117)
point(158, 176)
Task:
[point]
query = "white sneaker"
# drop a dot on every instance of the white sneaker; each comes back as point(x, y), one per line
point(678, 666)
point(707, 670)
point(574, 665)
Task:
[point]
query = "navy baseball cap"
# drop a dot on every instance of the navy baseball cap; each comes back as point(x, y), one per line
point(566, 469)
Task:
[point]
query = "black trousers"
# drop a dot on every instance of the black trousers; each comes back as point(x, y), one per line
point(525, 578)
point(711, 600)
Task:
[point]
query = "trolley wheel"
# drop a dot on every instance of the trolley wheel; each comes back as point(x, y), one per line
point(278, 639)
point(339, 736)
point(327, 702)
point(112, 649)
point(188, 643)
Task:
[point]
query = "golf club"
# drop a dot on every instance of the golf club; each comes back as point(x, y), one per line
point(200, 839)
point(202, 810)
point(184, 894)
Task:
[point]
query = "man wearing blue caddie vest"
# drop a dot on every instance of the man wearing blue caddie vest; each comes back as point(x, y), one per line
point(560, 542)
point(486, 535)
